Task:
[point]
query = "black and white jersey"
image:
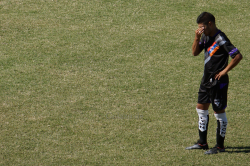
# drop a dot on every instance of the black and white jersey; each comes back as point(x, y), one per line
point(217, 49)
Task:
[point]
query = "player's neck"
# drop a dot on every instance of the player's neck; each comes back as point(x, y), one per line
point(214, 31)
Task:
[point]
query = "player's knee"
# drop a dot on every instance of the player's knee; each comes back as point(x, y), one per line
point(219, 111)
point(204, 106)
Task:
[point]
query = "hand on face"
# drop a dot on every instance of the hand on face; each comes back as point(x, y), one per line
point(199, 32)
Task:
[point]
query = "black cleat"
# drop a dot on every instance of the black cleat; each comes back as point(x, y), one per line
point(198, 146)
point(215, 150)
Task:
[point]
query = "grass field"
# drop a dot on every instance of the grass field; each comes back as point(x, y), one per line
point(113, 82)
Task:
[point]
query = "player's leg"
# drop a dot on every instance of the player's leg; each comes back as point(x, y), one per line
point(202, 110)
point(220, 133)
point(221, 129)
point(219, 103)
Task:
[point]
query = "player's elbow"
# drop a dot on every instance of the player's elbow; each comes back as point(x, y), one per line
point(195, 53)
point(239, 57)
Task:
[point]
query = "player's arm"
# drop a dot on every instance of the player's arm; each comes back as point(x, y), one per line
point(195, 47)
point(234, 62)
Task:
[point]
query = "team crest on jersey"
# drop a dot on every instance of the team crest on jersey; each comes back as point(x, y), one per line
point(217, 102)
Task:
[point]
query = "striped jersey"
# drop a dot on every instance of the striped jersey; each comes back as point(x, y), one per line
point(217, 49)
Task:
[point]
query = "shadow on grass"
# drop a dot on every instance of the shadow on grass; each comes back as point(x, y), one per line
point(241, 149)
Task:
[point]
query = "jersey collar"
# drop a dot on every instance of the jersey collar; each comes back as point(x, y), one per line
point(217, 33)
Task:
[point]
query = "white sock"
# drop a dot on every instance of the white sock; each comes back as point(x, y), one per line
point(203, 119)
point(222, 118)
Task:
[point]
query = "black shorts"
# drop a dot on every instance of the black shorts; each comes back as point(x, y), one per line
point(217, 95)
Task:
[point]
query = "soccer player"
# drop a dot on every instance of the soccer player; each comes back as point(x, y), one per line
point(214, 84)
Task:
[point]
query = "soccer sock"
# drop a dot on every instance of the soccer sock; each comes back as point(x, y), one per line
point(203, 125)
point(221, 129)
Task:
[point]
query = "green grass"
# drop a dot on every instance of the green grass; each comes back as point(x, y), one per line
point(113, 82)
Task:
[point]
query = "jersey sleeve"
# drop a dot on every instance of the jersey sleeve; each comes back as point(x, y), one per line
point(230, 48)
point(202, 42)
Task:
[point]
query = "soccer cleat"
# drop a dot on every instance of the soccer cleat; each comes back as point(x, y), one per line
point(198, 146)
point(215, 150)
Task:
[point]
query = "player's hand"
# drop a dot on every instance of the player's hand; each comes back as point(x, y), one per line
point(199, 32)
point(220, 74)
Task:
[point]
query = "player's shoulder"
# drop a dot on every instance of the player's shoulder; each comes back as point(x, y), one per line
point(222, 34)
point(221, 38)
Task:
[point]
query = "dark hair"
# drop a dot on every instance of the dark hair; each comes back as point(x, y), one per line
point(205, 17)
